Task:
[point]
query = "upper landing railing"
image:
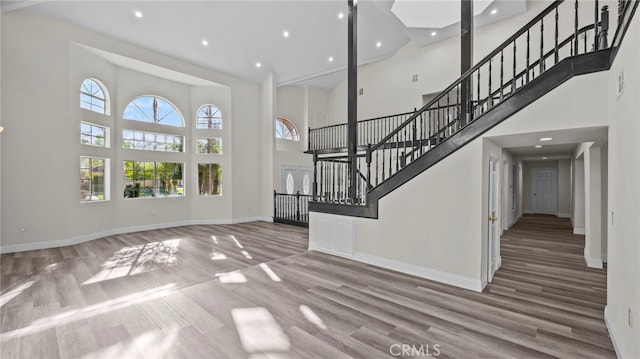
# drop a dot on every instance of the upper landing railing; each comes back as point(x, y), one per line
point(565, 29)
point(533, 37)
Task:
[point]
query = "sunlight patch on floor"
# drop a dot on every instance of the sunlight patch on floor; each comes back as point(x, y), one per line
point(217, 256)
point(274, 277)
point(90, 311)
point(312, 317)
point(259, 331)
point(231, 277)
point(137, 259)
point(9, 295)
point(236, 241)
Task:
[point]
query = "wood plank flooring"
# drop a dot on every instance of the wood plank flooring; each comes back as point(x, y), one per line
point(253, 291)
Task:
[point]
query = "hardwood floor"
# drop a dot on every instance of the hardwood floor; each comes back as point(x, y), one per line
point(252, 291)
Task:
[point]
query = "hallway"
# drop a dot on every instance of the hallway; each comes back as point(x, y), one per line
point(544, 270)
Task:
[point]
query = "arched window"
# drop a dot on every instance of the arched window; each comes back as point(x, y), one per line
point(153, 109)
point(285, 129)
point(209, 117)
point(93, 96)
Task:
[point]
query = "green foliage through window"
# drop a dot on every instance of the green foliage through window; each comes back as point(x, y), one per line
point(209, 179)
point(92, 177)
point(153, 179)
point(210, 145)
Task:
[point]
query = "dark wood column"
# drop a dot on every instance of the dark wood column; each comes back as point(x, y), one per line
point(352, 97)
point(466, 57)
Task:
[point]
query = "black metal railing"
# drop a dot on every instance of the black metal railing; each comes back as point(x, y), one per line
point(332, 180)
point(387, 144)
point(291, 208)
point(334, 137)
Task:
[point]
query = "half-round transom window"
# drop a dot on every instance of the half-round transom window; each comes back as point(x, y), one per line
point(285, 129)
point(209, 117)
point(153, 109)
point(93, 96)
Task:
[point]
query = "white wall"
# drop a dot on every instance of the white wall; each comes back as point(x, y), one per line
point(298, 104)
point(564, 188)
point(43, 65)
point(623, 254)
point(267, 112)
point(579, 226)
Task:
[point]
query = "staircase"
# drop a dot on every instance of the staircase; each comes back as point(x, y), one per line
point(564, 40)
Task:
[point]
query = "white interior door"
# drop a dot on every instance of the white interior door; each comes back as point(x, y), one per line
point(544, 190)
point(493, 233)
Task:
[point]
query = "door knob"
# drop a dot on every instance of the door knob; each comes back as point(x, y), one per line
point(493, 219)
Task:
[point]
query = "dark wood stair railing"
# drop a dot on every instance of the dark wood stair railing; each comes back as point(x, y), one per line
point(436, 130)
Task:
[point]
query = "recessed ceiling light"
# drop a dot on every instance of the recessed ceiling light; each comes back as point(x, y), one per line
point(378, 44)
point(538, 146)
point(546, 139)
point(330, 58)
point(258, 64)
point(205, 42)
point(340, 15)
point(494, 11)
point(434, 33)
point(285, 34)
point(138, 14)
point(544, 158)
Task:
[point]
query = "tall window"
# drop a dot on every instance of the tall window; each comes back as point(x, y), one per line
point(209, 145)
point(93, 96)
point(209, 179)
point(209, 117)
point(285, 129)
point(94, 135)
point(153, 109)
point(92, 179)
point(138, 140)
point(153, 179)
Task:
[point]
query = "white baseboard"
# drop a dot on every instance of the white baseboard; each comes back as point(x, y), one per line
point(613, 333)
point(564, 215)
point(12, 248)
point(317, 248)
point(592, 262)
point(527, 211)
point(579, 230)
point(423, 272)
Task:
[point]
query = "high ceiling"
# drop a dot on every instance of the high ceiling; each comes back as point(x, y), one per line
point(240, 34)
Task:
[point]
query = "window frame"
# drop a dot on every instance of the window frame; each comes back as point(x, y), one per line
point(183, 147)
point(106, 172)
point(211, 118)
point(292, 131)
point(106, 106)
point(155, 180)
point(159, 122)
point(210, 177)
point(107, 134)
point(219, 145)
